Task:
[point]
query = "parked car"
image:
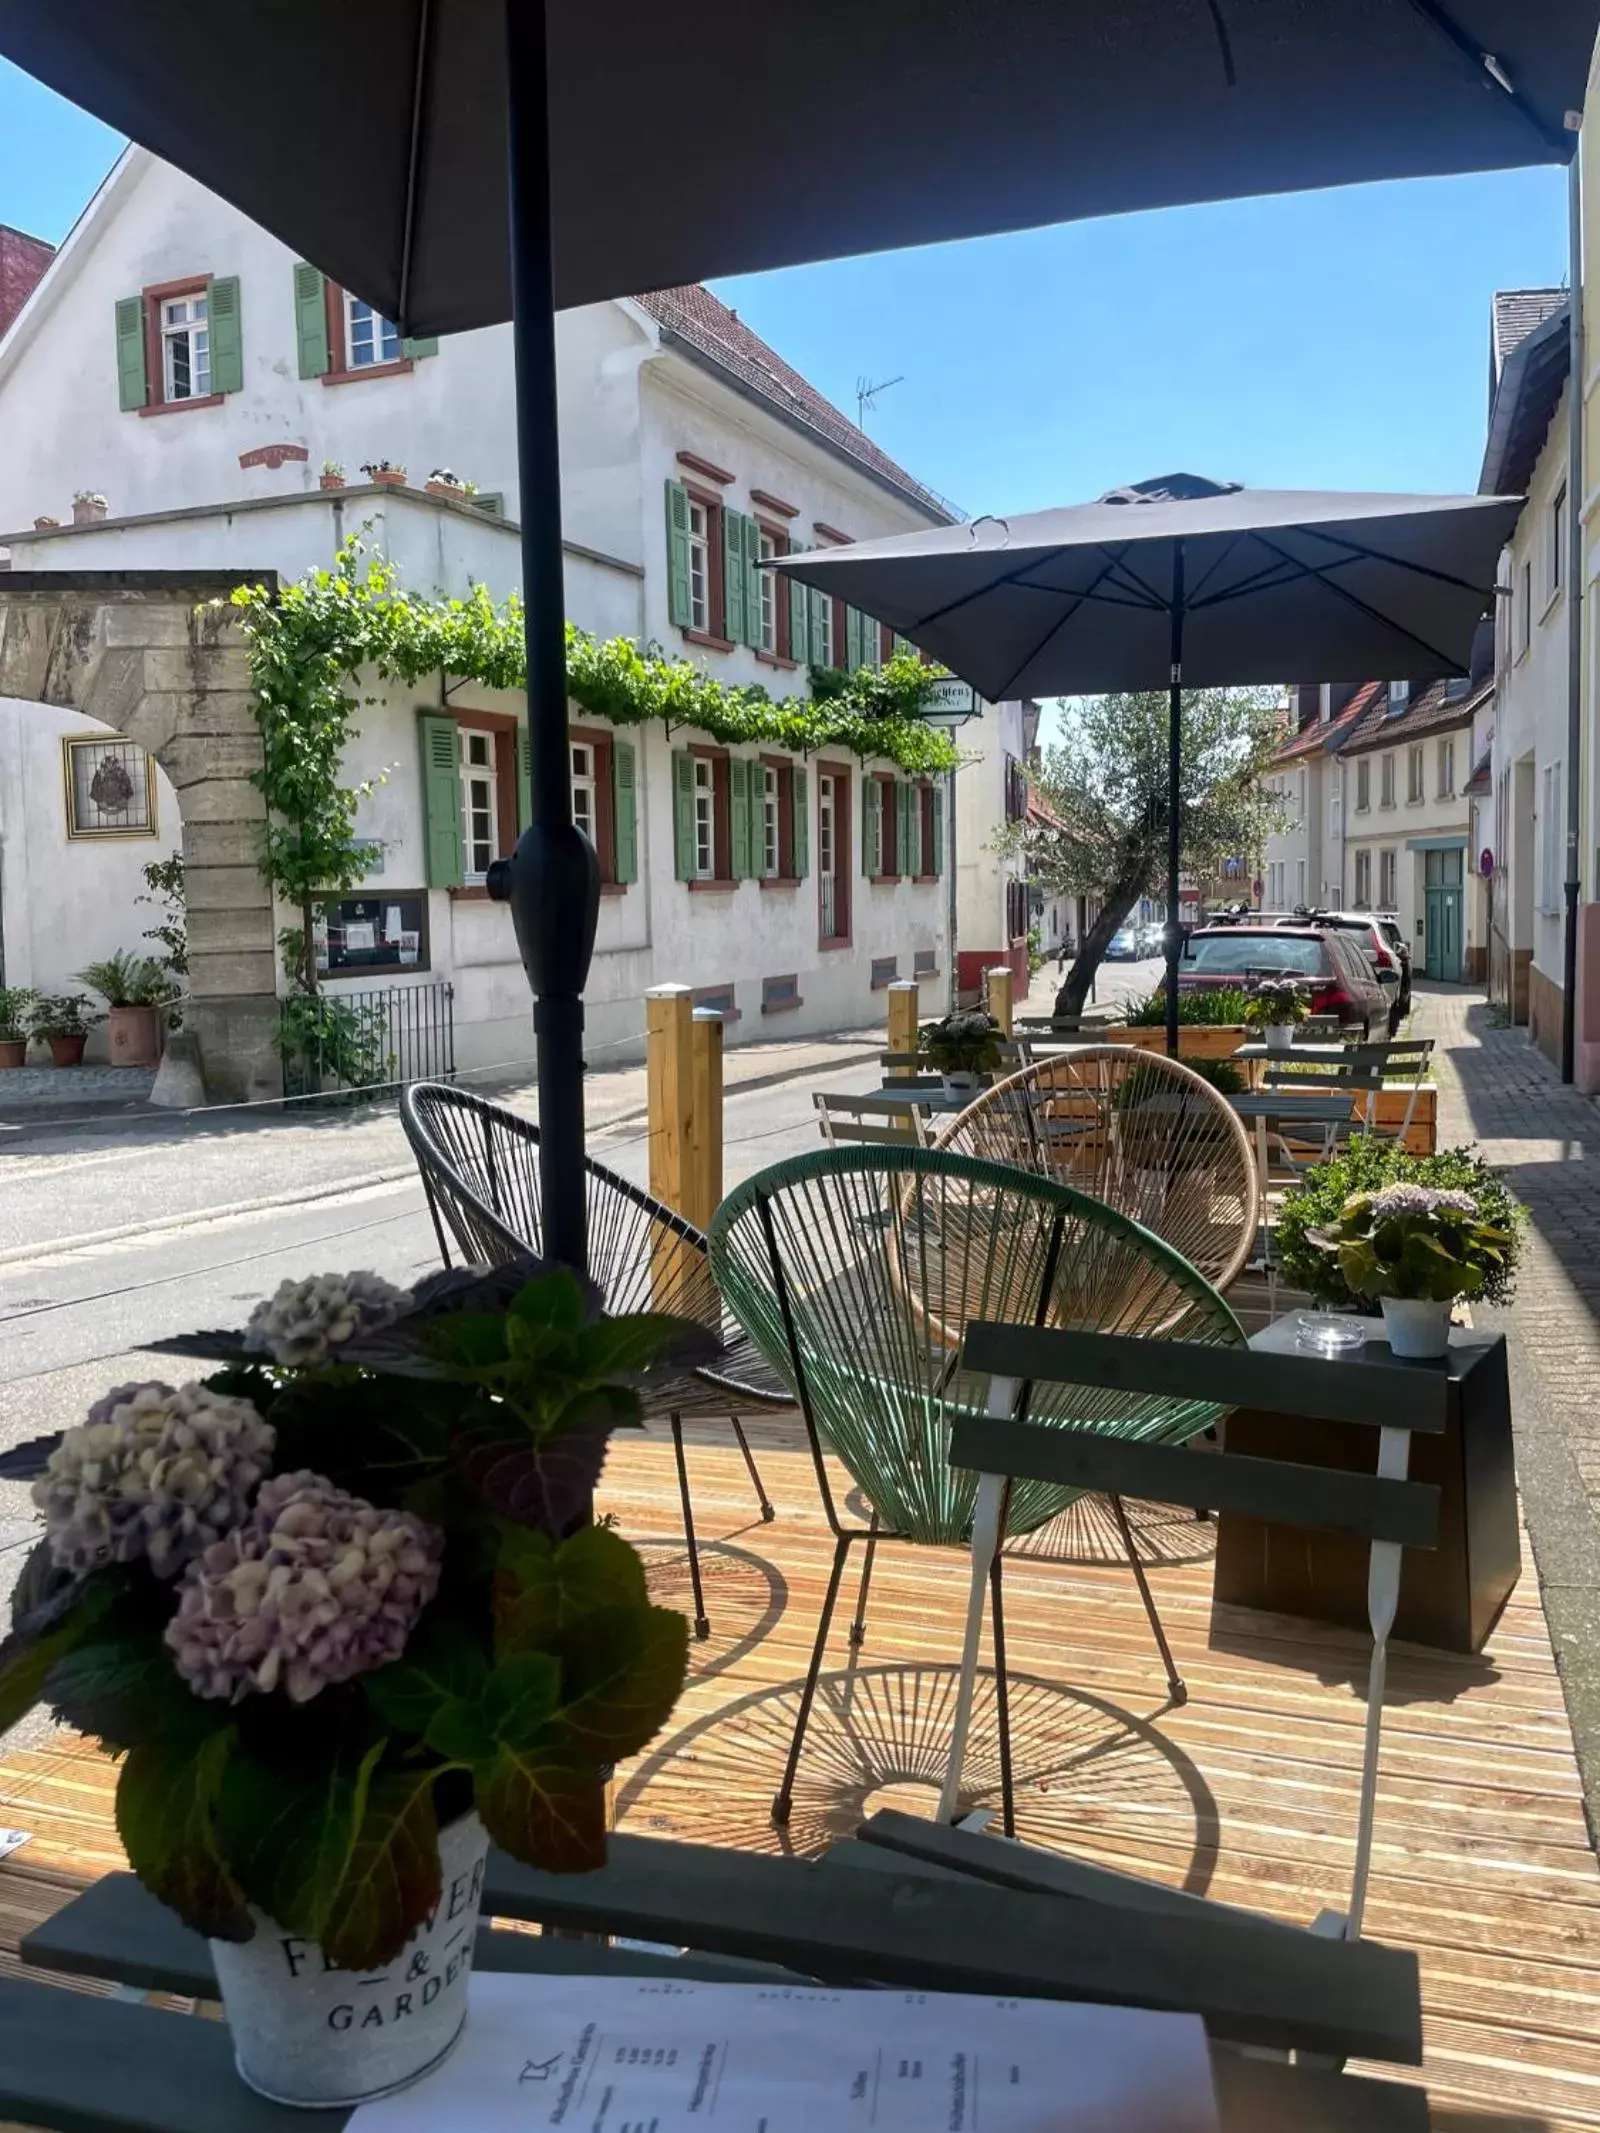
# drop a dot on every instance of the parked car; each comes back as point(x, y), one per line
point(1329, 960)
point(1124, 946)
point(1383, 941)
point(1153, 938)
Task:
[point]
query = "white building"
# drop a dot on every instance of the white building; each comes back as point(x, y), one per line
point(180, 362)
point(1303, 862)
point(1526, 453)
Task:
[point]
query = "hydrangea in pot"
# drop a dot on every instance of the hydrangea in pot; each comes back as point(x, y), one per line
point(962, 1047)
point(1416, 1248)
point(1277, 1007)
point(338, 1609)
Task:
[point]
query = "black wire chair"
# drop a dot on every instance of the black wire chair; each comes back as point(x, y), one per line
point(480, 1172)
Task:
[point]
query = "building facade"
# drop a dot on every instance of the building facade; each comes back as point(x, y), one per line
point(180, 364)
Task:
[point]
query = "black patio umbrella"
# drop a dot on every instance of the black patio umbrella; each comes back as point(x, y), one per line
point(1184, 580)
point(458, 162)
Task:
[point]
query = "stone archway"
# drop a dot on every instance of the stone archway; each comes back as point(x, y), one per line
point(157, 655)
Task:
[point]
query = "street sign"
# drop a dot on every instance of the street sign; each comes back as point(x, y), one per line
point(1486, 862)
point(949, 702)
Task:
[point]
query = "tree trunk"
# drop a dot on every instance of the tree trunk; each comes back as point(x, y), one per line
point(1120, 899)
point(308, 944)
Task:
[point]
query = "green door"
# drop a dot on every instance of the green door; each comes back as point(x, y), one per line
point(1442, 940)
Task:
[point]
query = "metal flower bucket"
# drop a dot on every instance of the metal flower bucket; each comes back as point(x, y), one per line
point(309, 2035)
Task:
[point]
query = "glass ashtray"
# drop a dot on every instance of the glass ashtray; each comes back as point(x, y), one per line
point(1331, 1332)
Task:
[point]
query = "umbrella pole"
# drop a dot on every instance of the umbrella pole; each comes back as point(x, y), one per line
point(1174, 795)
point(553, 882)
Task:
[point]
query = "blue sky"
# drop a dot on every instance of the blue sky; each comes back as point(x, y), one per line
point(1324, 340)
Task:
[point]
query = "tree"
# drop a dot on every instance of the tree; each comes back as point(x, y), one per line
point(1105, 783)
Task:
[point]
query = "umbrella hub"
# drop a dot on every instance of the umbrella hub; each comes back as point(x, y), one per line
point(1171, 489)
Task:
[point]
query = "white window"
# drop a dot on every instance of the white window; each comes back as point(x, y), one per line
point(827, 818)
point(1386, 791)
point(1399, 695)
point(1299, 883)
point(1447, 768)
point(1524, 608)
point(1416, 775)
point(1363, 881)
point(770, 841)
point(186, 347)
point(827, 634)
point(1558, 540)
point(583, 791)
point(369, 337)
point(699, 567)
point(1363, 785)
point(1552, 838)
point(769, 596)
point(1386, 880)
point(480, 813)
point(705, 818)
point(1324, 702)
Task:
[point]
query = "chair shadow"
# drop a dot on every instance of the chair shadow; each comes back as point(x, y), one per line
point(1340, 1658)
point(745, 1594)
point(1086, 1534)
point(1083, 1767)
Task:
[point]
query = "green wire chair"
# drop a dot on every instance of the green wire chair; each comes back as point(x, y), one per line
point(856, 1273)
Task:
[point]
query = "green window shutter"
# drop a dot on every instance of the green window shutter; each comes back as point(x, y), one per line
point(902, 645)
point(936, 864)
point(683, 814)
point(441, 800)
point(817, 613)
point(133, 388)
point(678, 612)
point(752, 583)
point(227, 339)
point(427, 346)
point(799, 615)
point(739, 770)
point(800, 835)
point(310, 322)
point(734, 624)
point(905, 800)
point(624, 813)
point(524, 781)
point(871, 826)
point(852, 638)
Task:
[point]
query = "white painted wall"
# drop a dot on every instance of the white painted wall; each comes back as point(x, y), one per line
point(981, 873)
point(1395, 829)
point(65, 902)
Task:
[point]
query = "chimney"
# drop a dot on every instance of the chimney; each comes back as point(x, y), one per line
point(23, 260)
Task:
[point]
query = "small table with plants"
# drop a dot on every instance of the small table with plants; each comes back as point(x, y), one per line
point(963, 1048)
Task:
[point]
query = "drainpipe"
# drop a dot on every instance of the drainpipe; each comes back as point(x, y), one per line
point(1569, 946)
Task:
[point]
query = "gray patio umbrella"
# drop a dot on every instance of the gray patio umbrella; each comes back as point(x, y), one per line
point(1185, 580)
point(458, 162)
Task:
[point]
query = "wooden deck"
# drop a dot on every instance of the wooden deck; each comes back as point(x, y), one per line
point(1247, 1793)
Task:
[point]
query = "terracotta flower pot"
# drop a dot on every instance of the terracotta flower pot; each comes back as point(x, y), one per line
point(67, 1051)
point(13, 1051)
point(390, 477)
point(453, 490)
point(330, 481)
point(135, 1035)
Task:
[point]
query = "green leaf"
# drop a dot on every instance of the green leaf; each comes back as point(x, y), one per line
point(124, 1690)
point(554, 1305)
point(443, 1662)
point(616, 1347)
point(623, 1670)
point(41, 1638)
point(542, 1587)
point(392, 1880)
point(166, 1802)
point(520, 1696)
point(288, 1828)
point(546, 1807)
point(460, 1732)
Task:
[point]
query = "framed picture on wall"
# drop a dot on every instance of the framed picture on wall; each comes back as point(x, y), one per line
point(110, 786)
point(362, 933)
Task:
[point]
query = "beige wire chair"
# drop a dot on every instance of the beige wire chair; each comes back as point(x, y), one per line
point(1144, 1133)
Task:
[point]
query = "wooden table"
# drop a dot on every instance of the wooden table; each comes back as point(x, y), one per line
point(1046, 1928)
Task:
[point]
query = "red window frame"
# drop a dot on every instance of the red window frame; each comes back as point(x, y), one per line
point(504, 728)
point(783, 653)
point(843, 847)
point(155, 370)
point(338, 371)
point(715, 635)
point(721, 817)
point(605, 798)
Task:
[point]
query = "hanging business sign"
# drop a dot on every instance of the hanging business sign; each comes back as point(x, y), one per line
point(949, 702)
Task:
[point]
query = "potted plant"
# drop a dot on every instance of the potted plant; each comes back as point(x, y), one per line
point(15, 1001)
point(441, 482)
point(961, 1047)
point(88, 506)
point(43, 525)
point(332, 475)
point(64, 1020)
point(1277, 1007)
point(1416, 1248)
point(137, 990)
point(385, 472)
point(339, 1609)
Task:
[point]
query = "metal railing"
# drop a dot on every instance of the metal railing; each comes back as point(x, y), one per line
point(335, 1042)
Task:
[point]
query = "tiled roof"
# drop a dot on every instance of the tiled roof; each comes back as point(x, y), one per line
point(706, 325)
point(1523, 399)
point(1433, 710)
point(1313, 739)
point(1515, 314)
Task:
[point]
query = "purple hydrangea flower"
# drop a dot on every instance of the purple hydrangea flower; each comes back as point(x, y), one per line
point(304, 1324)
point(316, 1587)
point(152, 1473)
point(1403, 1199)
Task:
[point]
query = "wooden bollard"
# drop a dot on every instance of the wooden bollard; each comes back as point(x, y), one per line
point(997, 988)
point(669, 1087)
point(903, 996)
point(704, 1194)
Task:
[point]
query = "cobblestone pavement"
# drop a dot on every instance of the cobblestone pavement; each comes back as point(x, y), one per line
point(1497, 1089)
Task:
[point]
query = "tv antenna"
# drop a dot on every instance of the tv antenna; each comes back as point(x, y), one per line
point(867, 396)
